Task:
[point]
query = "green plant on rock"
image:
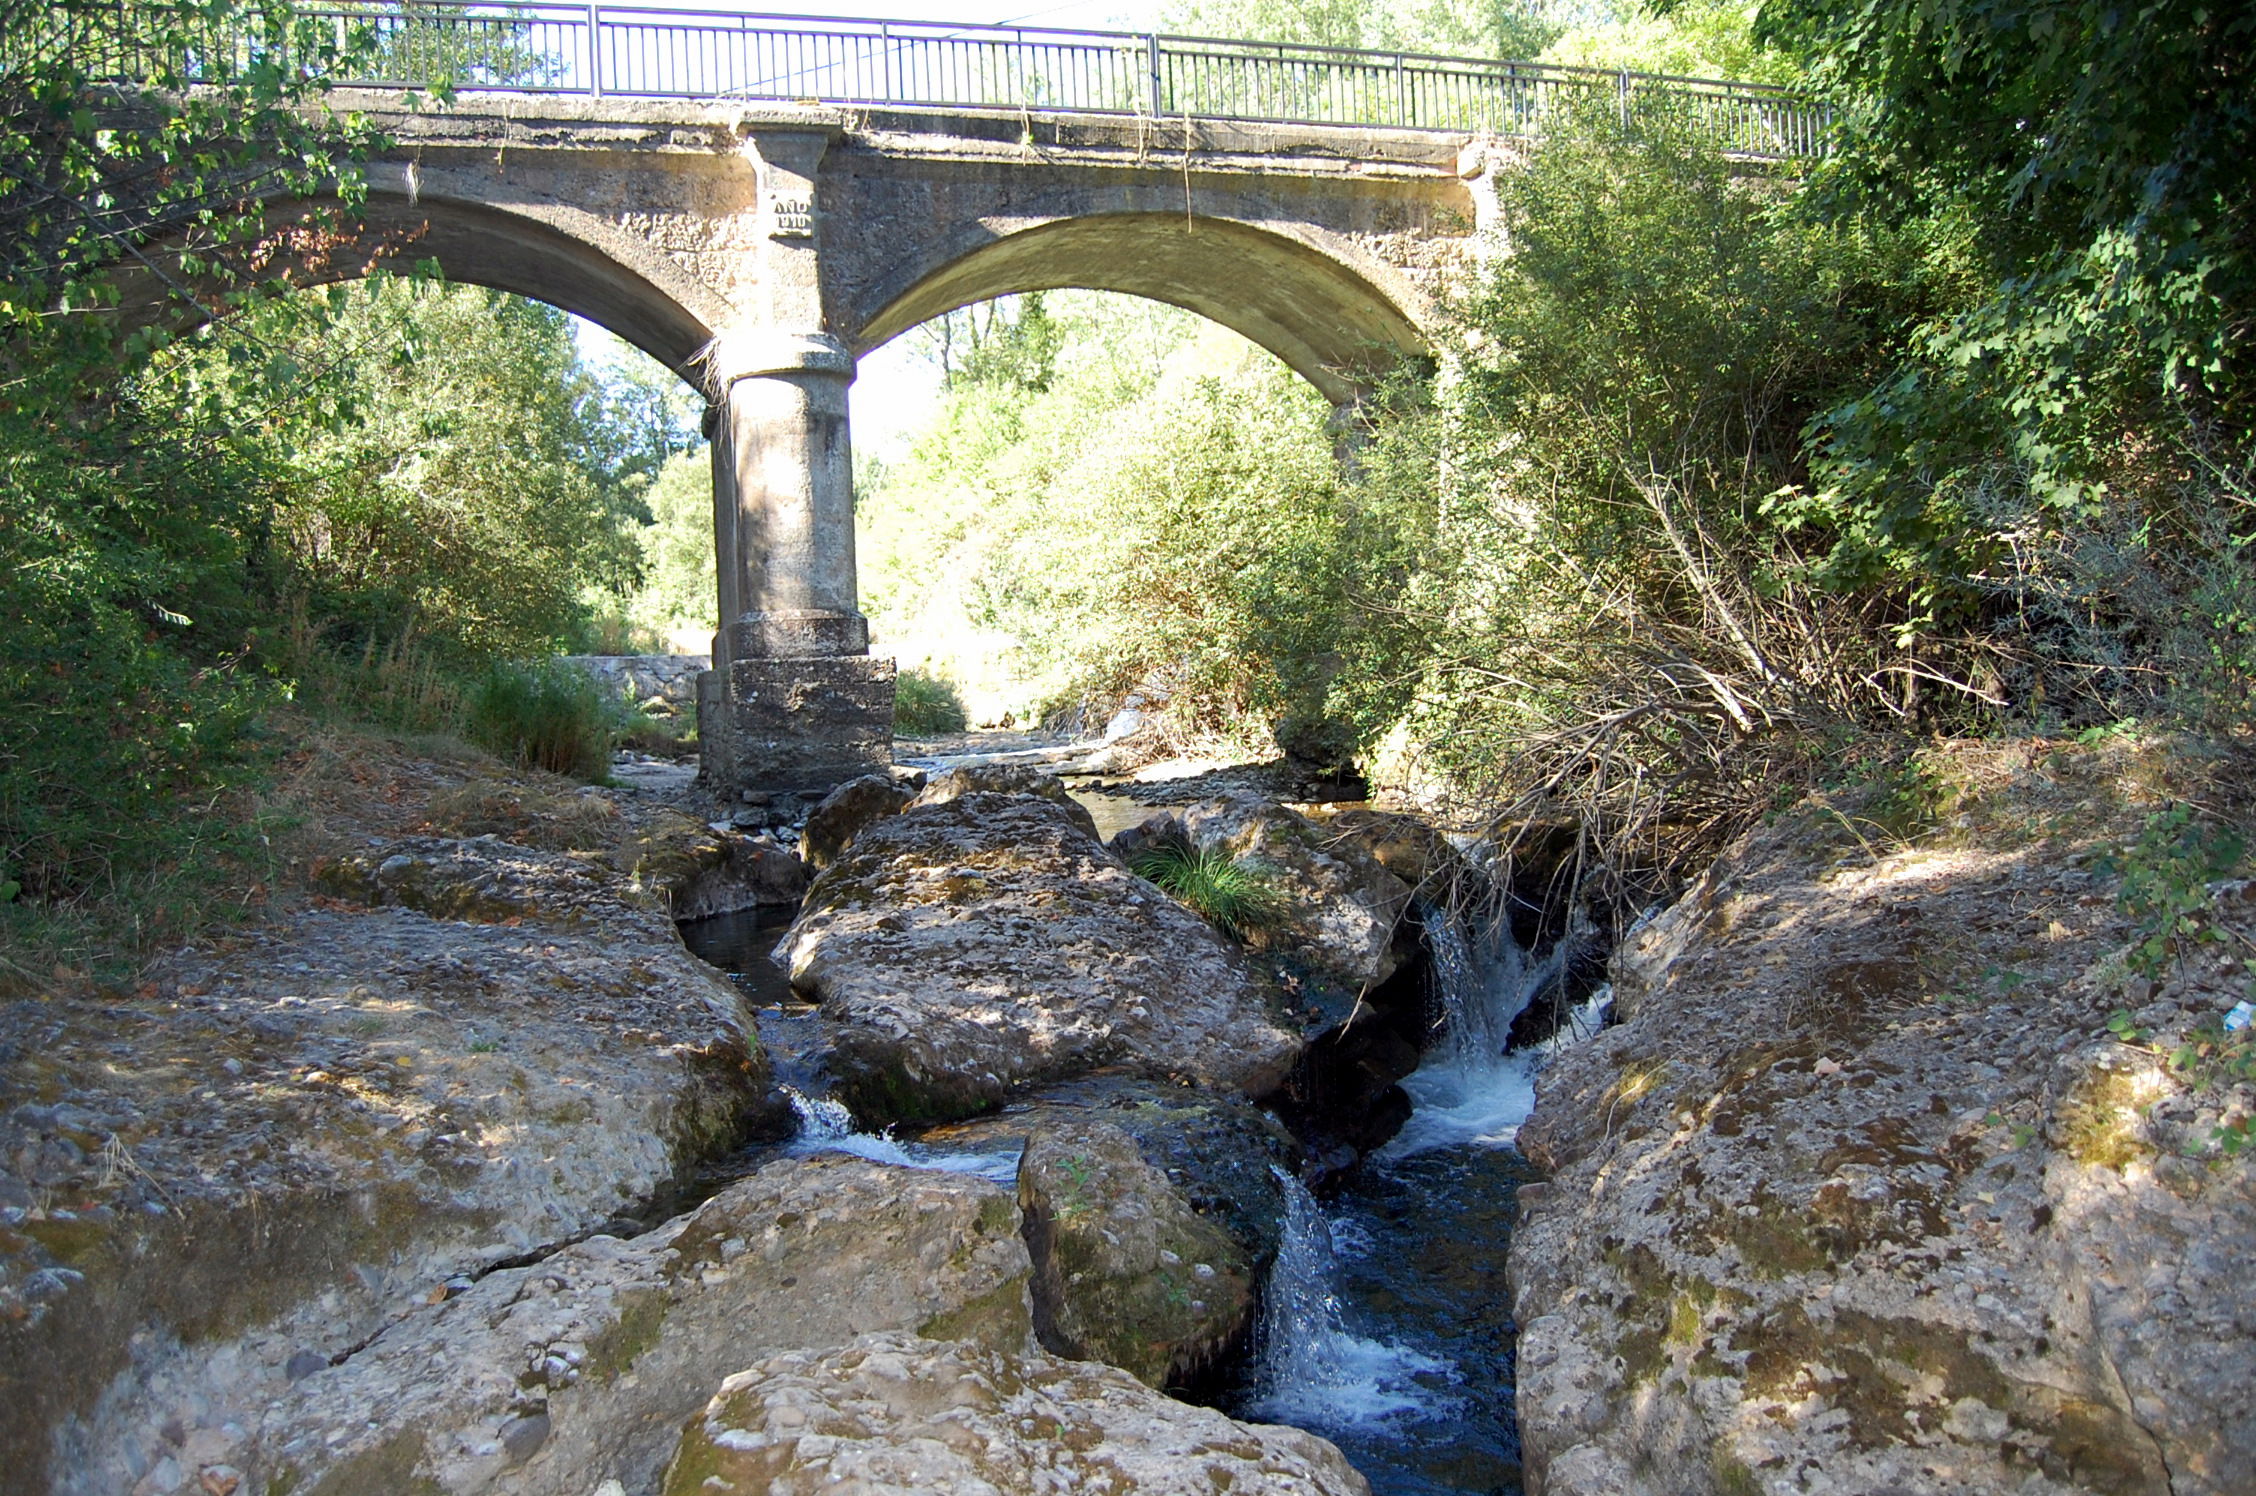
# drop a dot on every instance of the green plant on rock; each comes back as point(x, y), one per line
point(926, 705)
point(1236, 895)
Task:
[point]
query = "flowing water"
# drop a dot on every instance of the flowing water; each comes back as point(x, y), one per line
point(825, 1126)
point(1387, 1326)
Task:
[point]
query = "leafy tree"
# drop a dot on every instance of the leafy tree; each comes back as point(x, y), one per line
point(2099, 164)
point(128, 206)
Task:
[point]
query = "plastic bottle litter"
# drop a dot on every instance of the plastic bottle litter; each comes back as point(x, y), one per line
point(2239, 1017)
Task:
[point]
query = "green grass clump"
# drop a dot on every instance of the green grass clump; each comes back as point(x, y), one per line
point(544, 715)
point(1234, 895)
point(926, 705)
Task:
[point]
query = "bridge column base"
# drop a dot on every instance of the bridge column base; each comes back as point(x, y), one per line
point(797, 726)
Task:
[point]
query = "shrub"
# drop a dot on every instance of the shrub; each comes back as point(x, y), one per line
point(547, 715)
point(1235, 895)
point(926, 705)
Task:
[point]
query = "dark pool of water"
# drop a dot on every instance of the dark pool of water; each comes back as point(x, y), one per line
point(739, 944)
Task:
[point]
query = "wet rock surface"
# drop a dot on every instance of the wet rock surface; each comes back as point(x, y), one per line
point(892, 1413)
point(1128, 1272)
point(581, 1368)
point(979, 943)
point(1863, 1196)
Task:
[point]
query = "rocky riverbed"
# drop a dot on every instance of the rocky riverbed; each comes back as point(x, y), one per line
point(458, 1173)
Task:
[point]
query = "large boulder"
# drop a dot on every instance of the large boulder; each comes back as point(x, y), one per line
point(833, 824)
point(893, 1413)
point(554, 1378)
point(1130, 1274)
point(1005, 779)
point(1863, 1194)
point(1341, 910)
point(284, 1141)
point(970, 946)
point(1128, 1188)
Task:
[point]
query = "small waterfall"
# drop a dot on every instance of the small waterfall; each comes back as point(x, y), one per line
point(1312, 1371)
point(1471, 1089)
point(826, 1126)
point(820, 1118)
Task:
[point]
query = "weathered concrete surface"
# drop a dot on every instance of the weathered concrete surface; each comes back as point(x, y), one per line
point(1864, 1197)
point(898, 1414)
point(964, 949)
point(553, 1378)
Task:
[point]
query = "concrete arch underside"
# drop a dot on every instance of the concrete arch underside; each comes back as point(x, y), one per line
point(481, 245)
point(1327, 320)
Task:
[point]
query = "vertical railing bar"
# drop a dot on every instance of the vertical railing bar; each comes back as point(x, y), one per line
point(595, 49)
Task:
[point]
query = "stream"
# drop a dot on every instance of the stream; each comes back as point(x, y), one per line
point(1386, 1324)
point(1387, 1327)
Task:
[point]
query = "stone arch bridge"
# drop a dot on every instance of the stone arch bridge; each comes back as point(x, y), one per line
point(760, 252)
point(673, 177)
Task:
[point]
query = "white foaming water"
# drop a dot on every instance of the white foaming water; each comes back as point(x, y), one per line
point(1313, 1372)
point(1470, 1091)
point(825, 1126)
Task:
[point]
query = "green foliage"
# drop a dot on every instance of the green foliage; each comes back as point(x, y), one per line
point(1165, 504)
point(2098, 170)
point(546, 715)
point(1574, 586)
point(674, 602)
point(2166, 875)
point(926, 705)
point(1494, 28)
point(1235, 895)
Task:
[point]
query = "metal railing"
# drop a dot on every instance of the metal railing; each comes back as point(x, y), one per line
point(643, 52)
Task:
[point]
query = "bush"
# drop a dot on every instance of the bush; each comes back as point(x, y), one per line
point(546, 715)
point(926, 705)
point(1234, 895)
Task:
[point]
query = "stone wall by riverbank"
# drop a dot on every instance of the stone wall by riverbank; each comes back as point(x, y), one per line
point(662, 685)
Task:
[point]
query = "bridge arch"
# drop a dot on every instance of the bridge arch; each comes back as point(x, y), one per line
point(1337, 323)
point(551, 253)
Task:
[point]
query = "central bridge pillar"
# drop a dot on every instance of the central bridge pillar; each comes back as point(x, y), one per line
point(794, 702)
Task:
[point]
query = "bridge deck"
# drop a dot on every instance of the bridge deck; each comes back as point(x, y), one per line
point(644, 52)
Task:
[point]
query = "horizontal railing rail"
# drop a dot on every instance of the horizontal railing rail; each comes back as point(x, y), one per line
point(646, 52)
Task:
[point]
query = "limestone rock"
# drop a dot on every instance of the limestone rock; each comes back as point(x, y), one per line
point(832, 825)
point(973, 945)
point(1863, 1196)
point(699, 870)
point(1408, 846)
point(1342, 907)
point(288, 1138)
point(1129, 1273)
point(479, 878)
point(1005, 779)
point(892, 1413)
point(550, 1379)
point(1219, 1152)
